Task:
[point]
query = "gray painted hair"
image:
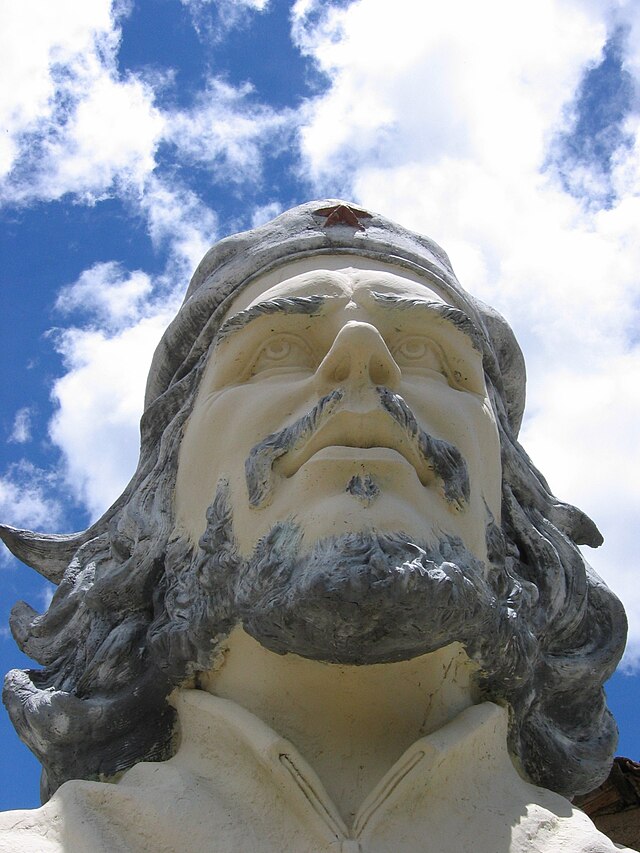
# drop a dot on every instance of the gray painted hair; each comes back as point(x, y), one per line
point(119, 636)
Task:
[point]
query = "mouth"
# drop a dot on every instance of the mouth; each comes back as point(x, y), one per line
point(372, 430)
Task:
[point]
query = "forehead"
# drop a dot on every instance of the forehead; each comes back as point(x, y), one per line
point(335, 275)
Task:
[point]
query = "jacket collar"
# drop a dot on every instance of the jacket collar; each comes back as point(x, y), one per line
point(211, 727)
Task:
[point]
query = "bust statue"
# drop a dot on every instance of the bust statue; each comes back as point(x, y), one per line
point(337, 607)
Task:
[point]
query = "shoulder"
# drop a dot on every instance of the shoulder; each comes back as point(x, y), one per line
point(80, 816)
point(566, 832)
point(31, 830)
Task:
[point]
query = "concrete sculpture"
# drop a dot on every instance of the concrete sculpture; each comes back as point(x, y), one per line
point(337, 607)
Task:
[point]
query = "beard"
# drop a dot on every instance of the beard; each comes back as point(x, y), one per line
point(358, 598)
point(361, 598)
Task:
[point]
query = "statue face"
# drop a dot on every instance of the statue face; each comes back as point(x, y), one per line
point(347, 399)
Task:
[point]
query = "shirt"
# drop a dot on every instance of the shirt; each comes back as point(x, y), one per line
point(236, 786)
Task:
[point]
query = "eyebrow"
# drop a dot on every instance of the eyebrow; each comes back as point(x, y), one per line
point(313, 305)
point(306, 305)
point(454, 316)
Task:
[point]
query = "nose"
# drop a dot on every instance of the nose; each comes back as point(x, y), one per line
point(360, 356)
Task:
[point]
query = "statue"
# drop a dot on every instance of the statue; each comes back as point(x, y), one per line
point(337, 607)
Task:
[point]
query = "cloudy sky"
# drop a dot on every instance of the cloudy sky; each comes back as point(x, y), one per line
point(135, 133)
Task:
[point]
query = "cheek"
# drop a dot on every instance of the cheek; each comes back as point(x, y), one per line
point(466, 421)
point(218, 437)
point(215, 436)
point(234, 420)
point(208, 446)
point(479, 443)
point(445, 412)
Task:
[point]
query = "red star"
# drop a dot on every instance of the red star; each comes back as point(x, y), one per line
point(343, 214)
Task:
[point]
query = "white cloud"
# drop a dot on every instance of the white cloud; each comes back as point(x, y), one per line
point(71, 122)
point(45, 596)
point(214, 18)
point(111, 135)
point(82, 127)
point(446, 128)
point(227, 131)
point(179, 220)
point(75, 123)
point(107, 357)
point(21, 431)
point(585, 433)
point(99, 405)
point(417, 85)
point(255, 5)
point(264, 213)
point(25, 499)
point(107, 293)
point(66, 31)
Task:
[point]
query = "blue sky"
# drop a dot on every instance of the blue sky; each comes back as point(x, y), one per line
point(135, 133)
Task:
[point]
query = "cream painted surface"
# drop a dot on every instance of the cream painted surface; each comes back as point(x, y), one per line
point(275, 369)
point(351, 723)
point(236, 786)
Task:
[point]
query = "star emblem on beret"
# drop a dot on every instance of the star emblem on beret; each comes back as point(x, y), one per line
point(343, 214)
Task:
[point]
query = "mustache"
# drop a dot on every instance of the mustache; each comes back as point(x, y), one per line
point(262, 457)
point(445, 460)
point(439, 458)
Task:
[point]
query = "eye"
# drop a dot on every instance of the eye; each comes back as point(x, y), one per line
point(419, 353)
point(276, 350)
point(283, 352)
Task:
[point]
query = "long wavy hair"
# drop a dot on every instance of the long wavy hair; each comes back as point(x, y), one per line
point(124, 628)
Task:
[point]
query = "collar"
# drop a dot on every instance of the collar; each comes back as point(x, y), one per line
point(469, 753)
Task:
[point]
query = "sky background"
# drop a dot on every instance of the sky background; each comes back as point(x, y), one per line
point(136, 133)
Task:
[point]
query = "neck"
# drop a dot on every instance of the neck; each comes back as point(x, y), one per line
point(351, 723)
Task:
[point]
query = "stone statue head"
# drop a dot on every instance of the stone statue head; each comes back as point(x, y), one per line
point(329, 457)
